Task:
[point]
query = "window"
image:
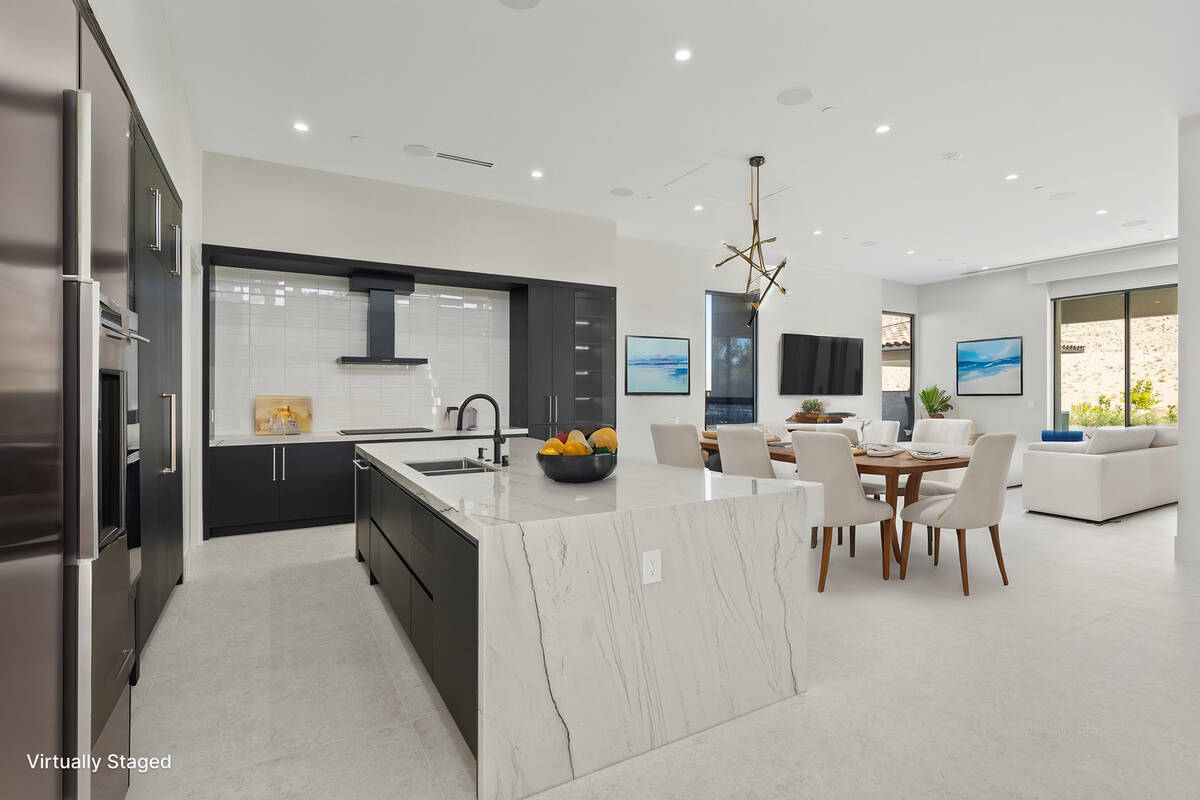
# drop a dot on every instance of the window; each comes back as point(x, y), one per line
point(730, 350)
point(898, 371)
point(1117, 359)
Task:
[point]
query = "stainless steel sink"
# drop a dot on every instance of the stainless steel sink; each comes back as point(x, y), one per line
point(457, 466)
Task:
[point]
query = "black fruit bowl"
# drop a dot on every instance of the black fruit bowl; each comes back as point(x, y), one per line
point(578, 469)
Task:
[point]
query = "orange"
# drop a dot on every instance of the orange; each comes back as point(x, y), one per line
point(576, 448)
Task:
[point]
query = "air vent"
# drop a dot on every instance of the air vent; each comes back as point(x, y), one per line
point(465, 160)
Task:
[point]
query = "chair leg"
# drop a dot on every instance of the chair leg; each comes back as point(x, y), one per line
point(937, 545)
point(904, 550)
point(839, 537)
point(825, 547)
point(852, 541)
point(962, 560)
point(929, 538)
point(995, 530)
point(814, 540)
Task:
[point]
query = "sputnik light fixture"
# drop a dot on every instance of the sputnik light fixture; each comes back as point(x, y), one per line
point(759, 277)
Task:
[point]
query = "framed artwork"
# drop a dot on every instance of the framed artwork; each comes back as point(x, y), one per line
point(990, 367)
point(657, 365)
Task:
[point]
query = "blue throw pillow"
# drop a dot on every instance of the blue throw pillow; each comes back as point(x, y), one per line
point(1062, 436)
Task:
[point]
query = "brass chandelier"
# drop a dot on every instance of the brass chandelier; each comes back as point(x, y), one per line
point(759, 278)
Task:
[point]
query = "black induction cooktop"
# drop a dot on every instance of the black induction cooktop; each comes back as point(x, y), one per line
point(382, 431)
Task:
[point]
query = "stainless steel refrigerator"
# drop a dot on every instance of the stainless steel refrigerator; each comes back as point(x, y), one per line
point(65, 611)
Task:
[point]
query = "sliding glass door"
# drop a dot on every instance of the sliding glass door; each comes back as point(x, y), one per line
point(1117, 359)
point(898, 371)
point(730, 350)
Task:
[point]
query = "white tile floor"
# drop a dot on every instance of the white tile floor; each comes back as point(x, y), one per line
point(277, 672)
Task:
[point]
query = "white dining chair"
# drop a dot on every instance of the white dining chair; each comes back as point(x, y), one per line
point(882, 431)
point(849, 431)
point(824, 458)
point(744, 451)
point(677, 445)
point(978, 503)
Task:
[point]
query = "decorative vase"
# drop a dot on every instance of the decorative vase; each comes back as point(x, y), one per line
point(937, 416)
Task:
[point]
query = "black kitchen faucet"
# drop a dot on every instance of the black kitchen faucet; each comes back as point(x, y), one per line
point(497, 437)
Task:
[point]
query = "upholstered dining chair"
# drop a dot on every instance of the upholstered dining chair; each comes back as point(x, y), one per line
point(882, 431)
point(978, 503)
point(744, 451)
point(824, 458)
point(677, 445)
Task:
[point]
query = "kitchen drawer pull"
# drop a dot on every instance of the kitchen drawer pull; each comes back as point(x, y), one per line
point(549, 409)
point(174, 441)
point(556, 408)
point(157, 243)
point(358, 462)
point(283, 462)
point(273, 477)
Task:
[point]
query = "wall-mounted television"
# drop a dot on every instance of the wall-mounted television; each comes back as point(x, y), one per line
point(817, 365)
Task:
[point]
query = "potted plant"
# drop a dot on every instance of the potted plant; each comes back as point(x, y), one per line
point(936, 402)
point(813, 409)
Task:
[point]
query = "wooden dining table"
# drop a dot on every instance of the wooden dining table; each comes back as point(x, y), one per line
point(891, 468)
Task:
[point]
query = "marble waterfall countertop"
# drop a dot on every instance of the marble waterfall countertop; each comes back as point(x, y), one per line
point(583, 663)
point(334, 436)
point(522, 493)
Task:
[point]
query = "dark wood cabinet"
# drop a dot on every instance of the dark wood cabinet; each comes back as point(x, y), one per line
point(263, 486)
point(563, 358)
point(157, 299)
point(428, 573)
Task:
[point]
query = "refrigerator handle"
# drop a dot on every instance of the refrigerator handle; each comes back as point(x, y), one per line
point(178, 250)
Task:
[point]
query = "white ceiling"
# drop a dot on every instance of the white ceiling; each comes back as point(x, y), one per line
point(1075, 96)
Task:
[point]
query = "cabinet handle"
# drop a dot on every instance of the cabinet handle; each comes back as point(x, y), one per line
point(283, 461)
point(273, 478)
point(178, 250)
point(174, 442)
point(556, 408)
point(549, 409)
point(358, 462)
point(157, 243)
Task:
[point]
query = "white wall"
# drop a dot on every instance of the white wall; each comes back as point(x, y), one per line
point(281, 333)
point(987, 306)
point(1187, 544)
point(137, 33)
point(660, 288)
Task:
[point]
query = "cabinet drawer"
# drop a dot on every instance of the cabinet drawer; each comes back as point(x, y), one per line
point(393, 577)
point(426, 530)
point(420, 631)
point(391, 509)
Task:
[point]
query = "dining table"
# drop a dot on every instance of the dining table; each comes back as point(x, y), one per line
point(891, 467)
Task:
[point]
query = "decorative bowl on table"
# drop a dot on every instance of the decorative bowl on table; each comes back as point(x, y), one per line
point(577, 469)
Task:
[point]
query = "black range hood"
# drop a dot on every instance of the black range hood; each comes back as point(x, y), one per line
point(381, 318)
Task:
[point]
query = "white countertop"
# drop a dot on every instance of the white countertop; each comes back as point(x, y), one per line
point(334, 436)
point(521, 493)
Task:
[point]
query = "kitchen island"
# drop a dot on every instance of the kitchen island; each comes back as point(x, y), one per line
point(541, 622)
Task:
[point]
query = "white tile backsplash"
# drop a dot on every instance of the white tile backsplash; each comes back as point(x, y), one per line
point(281, 333)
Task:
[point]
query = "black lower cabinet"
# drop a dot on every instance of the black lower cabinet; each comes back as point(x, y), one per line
point(259, 487)
point(428, 572)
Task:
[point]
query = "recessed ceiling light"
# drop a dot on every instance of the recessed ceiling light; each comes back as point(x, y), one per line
point(537, 173)
point(520, 5)
point(300, 126)
point(1167, 236)
point(1101, 212)
point(817, 233)
point(912, 252)
point(794, 97)
point(869, 244)
point(683, 55)
point(418, 150)
point(828, 109)
point(883, 128)
point(1038, 188)
point(1012, 176)
point(1062, 196)
point(985, 267)
point(697, 207)
point(953, 156)
point(356, 138)
point(621, 191)
point(1133, 223)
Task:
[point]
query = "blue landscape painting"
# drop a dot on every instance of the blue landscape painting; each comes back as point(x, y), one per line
point(990, 366)
point(655, 365)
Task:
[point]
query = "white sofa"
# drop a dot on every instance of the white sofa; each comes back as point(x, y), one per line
point(1116, 472)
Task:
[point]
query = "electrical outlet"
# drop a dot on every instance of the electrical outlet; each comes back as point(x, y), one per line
point(652, 566)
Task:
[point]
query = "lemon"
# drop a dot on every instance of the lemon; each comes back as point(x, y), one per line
point(551, 447)
point(577, 436)
point(604, 437)
point(574, 447)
